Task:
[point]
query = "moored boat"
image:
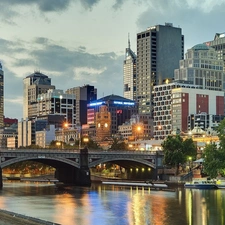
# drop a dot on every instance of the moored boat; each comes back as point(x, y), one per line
point(201, 184)
point(220, 184)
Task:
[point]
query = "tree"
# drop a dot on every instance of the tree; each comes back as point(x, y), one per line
point(119, 145)
point(178, 151)
point(214, 155)
point(93, 145)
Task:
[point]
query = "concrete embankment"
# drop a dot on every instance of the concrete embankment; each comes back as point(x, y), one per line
point(10, 218)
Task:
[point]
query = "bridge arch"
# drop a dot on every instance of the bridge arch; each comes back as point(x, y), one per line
point(44, 160)
point(105, 160)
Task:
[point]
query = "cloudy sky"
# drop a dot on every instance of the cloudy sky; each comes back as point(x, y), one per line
point(77, 42)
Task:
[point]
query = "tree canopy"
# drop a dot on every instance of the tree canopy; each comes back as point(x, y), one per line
point(178, 151)
point(214, 155)
point(119, 145)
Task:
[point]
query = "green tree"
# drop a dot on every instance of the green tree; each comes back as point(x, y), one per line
point(178, 151)
point(93, 145)
point(119, 145)
point(214, 155)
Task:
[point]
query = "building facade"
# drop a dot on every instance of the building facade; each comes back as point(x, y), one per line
point(83, 95)
point(201, 66)
point(103, 123)
point(129, 74)
point(219, 45)
point(1, 97)
point(174, 102)
point(121, 110)
point(33, 85)
point(204, 121)
point(57, 103)
point(45, 137)
point(27, 131)
point(159, 50)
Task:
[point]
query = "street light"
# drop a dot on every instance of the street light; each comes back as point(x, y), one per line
point(190, 159)
point(85, 140)
point(65, 125)
point(58, 144)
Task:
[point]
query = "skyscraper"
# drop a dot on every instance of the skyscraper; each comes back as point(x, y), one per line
point(1, 96)
point(129, 74)
point(201, 66)
point(219, 45)
point(159, 50)
point(34, 84)
point(84, 95)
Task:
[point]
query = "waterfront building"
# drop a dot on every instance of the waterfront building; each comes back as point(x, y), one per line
point(27, 131)
point(201, 66)
point(159, 50)
point(9, 132)
point(121, 110)
point(1, 97)
point(103, 123)
point(83, 95)
point(45, 137)
point(129, 74)
point(174, 102)
point(138, 127)
point(33, 85)
point(206, 122)
point(12, 142)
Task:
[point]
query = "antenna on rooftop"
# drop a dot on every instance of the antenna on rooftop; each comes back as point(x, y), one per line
point(128, 40)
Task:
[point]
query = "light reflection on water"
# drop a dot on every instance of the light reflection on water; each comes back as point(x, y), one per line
point(111, 205)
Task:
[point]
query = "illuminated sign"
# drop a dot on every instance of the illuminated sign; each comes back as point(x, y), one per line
point(123, 103)
point(96, 103)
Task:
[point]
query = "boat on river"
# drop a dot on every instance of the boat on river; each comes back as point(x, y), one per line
point(201, 184)
point(220, 184)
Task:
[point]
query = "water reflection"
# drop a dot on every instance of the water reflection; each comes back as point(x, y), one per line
point(112, 205)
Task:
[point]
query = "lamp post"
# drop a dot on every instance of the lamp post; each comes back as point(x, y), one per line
point(58, 144)
point(190, 159)
point(65, 125)
point(85, 140)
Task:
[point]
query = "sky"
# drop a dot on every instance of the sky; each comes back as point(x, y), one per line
point(78, 42)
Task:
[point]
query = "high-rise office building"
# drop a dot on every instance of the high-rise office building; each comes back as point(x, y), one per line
point(219, 45)
point(159, 50)
point(129, 74)
point(57, 103)
point(34, 84)
point(201, 66)
point(1, 96)
point(84, 95)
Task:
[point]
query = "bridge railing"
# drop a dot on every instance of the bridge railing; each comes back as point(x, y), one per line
point(90, 151)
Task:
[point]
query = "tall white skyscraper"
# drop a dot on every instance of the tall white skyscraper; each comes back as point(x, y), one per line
point(129, 74)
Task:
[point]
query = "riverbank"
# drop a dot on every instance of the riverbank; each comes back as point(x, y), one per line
point(9, 218)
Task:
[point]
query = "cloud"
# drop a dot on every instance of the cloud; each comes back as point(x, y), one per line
point(67, 68)
point(43, 5)
point(196, 20)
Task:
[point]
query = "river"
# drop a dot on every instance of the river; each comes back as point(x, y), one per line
point(111, 205)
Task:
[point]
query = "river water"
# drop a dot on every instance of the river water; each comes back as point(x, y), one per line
point(111, 205)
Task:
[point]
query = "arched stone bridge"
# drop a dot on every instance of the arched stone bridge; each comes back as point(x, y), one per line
point(73, 166)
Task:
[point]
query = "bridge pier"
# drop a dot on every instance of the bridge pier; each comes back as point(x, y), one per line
point(1, 183)
point(76, 176)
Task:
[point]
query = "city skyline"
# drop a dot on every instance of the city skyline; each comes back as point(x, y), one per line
point(67, 40)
